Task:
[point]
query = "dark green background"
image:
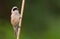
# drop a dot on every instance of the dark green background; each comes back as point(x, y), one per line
point(41, 19)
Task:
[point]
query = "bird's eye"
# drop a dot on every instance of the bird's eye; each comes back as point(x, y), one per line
point(15, 9)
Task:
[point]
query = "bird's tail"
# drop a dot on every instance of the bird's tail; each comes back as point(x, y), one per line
point(16, 30)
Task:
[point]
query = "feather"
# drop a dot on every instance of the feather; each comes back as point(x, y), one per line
point(16, 30)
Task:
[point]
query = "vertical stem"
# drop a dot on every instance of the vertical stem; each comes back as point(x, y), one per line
point(21, 15)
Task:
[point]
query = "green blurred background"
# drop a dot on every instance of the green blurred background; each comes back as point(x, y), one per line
point(41, 19)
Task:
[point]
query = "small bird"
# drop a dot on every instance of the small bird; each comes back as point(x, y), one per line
point(15, 17)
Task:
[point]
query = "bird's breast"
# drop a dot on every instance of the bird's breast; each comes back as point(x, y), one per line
point(14, 19)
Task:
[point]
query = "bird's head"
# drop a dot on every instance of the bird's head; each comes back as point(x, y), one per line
point(15, 10)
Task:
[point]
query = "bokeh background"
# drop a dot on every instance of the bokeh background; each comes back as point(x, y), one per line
point(41, 19)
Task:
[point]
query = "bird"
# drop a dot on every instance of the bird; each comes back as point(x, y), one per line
point(15, 17)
